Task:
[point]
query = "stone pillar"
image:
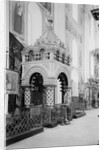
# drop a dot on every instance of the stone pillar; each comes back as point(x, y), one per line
point(50, 95)
point(27, 95)
point(67, 97)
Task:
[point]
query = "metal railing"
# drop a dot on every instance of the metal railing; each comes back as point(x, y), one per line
point(34, 118)
point(28, 119)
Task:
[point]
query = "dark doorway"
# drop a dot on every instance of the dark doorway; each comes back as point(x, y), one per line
point(64, 84)
point(37, 89)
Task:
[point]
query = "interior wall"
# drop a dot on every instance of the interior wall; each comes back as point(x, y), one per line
point(92, 34)
point(74, 77)
point(75, 12)
point(86, 47)
point(91, 42)
point(34, 23)
point(92, 65)
point(74, 53)
point(59, 20)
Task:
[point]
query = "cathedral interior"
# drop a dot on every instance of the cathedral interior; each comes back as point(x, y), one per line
point(52, 65)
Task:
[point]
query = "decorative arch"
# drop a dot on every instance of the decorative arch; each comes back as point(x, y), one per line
point(65, 71)
point(29, 73)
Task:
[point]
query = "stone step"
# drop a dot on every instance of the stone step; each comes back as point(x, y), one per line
point(79, 114)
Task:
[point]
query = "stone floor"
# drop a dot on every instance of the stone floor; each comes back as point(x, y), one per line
point(81, 131)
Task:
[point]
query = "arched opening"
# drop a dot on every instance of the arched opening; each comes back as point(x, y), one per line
point(37, 89)
point(63, 58)
point(31, 55)
point(42, 53)
point(57, 55)
point(63, 84)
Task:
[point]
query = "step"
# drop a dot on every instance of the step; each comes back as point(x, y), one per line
point(78, 115)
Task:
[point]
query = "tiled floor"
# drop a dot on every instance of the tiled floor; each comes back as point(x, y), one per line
point(81, 131)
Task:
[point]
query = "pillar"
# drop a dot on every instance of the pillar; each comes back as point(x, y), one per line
point(50, 95)
point(66, 96)
point(27, 97)
point(69, 92)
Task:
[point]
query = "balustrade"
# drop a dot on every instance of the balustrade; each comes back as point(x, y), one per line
point(47, 56)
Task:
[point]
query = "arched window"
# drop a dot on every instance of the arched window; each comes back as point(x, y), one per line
point(42, 53)
point(31, 55)
point(63, 58)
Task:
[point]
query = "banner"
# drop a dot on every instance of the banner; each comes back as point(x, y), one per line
point(11, 82)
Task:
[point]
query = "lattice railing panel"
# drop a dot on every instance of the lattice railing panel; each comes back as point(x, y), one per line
point(22, 123)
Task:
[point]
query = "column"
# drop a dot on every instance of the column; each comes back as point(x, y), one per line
point(50, 95)
point(69, 95)
point(27, 95)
